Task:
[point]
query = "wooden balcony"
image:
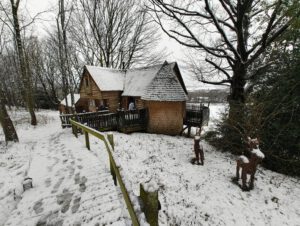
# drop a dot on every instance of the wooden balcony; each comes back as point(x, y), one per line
point(123, 121)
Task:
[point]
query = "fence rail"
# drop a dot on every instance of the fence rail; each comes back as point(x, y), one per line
point(124, 121)
point(135, 120)
point(197, 115)
point(81, 117)
point(150, 210)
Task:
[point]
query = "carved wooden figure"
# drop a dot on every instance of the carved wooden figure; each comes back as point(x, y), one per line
point(198, 149)
point(249, 165)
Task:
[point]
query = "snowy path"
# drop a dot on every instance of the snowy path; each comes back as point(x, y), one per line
point(72, 186)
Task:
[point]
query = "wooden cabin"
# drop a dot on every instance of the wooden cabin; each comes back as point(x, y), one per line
point(160, 88)
point(63, 109)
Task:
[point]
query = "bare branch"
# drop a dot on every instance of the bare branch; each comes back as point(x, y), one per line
point(219, 68)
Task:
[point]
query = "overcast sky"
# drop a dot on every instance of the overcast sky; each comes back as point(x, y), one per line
point(177, 52)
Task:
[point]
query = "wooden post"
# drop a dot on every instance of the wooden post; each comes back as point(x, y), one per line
point(151, 205)
point(110, 138)
point(112, 171)
point(76, 131)
point(189, 131)
point(73, 130)
point(87, 140)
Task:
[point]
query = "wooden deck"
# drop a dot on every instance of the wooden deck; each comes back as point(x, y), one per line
point(123, 121)
point(197, 115)
point(132, 121)
point(80, 117)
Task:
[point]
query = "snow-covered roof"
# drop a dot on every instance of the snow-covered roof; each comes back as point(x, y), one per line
point(76, 98)
point(107, 79)
point(165, 86)
point(137, 80)
point(157, 82)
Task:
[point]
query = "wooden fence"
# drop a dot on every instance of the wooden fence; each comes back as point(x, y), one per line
point(149, 199)
point(132, 121)
point(124, 121)
point(197, 115)
point(81, 117)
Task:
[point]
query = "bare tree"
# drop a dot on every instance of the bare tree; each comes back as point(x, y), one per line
point(25, 74)
point(117, 34)
point(62, 23)
point(44, 67)
point(231, 34)
point(5, 121)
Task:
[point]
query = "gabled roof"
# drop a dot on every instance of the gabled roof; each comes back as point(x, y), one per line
point(165, 86)
point(174, 65)
point(76, 98)
point(107, 79)
point(161, 82)
point(137, 80)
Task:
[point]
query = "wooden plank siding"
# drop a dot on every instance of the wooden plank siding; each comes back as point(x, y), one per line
point(139, 103)
point(90, 92)
point(113, 99)
point(165, 117)
point(93, 92)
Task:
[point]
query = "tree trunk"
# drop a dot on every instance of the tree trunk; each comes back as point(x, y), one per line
point(235, 131)
point(23, 69)
point(6, 123)
point(63, 68)
point(237, 93)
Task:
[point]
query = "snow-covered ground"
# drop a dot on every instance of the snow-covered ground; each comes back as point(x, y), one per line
point(204, 195)
point(72, 186)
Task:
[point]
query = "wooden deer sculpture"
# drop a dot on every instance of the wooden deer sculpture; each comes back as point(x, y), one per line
point(249, 165)
point(198, 149)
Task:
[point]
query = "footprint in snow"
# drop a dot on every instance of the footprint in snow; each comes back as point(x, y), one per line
point(76, 205)
point(57, 185)
point(64, 200)
point(77, 178)
point(48, 182)
point(38, 207)
point(82, 186)
point(71, 171)
point(51, 218)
